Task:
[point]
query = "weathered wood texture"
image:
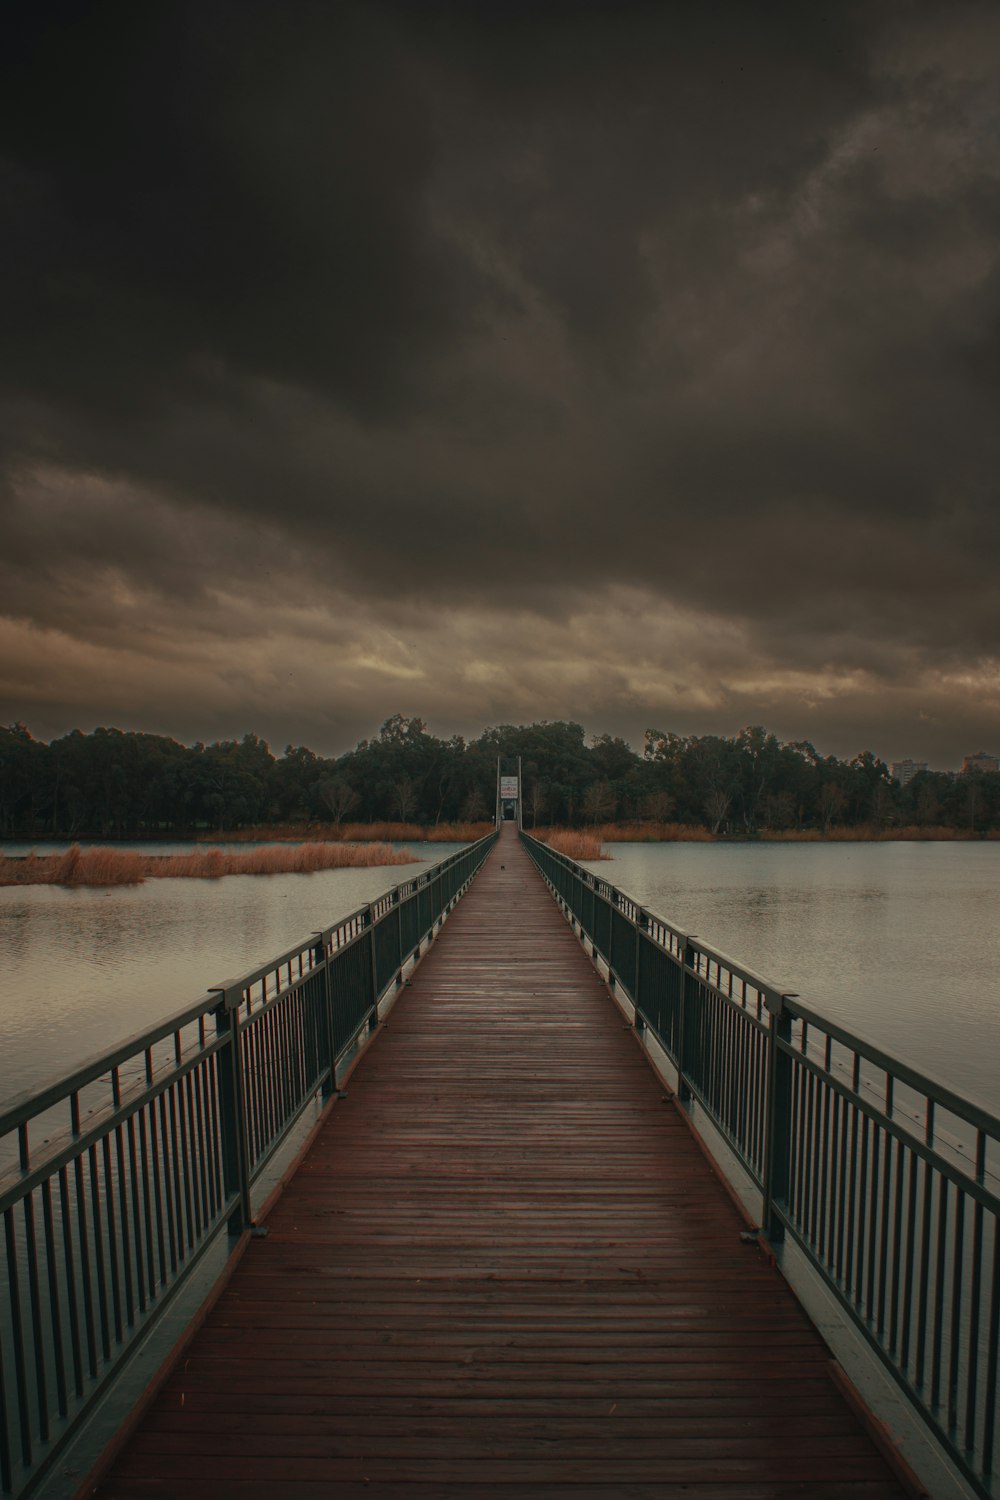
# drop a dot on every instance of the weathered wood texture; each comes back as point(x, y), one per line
point(504, 1269)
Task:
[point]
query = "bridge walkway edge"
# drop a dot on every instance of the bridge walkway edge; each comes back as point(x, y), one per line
point(503, 1268)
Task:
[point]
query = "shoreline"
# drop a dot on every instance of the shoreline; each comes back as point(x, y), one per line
point(638, 833)
point(361, 835)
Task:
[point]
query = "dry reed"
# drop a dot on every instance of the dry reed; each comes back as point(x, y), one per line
point(127, 867)
point(458, 833)
point(868, 833)
point(574, 842)
point(654, 833)
point(350, 833)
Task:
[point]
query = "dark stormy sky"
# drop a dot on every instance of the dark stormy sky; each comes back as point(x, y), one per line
point(634, 363)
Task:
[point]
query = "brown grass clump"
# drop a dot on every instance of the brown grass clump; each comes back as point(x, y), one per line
point(654, 833)
point(574, 842)
point(458, 833)
point(314, 833)
point(355, 833)
point(126, 867)
point(868, 833)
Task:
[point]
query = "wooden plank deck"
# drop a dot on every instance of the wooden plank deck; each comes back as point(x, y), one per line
point(503, 1269)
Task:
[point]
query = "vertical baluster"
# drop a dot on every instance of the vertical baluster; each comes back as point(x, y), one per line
point(992, 1360)
point(975, 1299)
point(193, 1158)
point(957, 1282)
point(72, 1298)
point(295, 1017)
point(124, 1227)
point(35, 1304)
point(216, 1098)
point(834, 1184)
point(171, 1179)
point(254, 1086)
point(845, 1178)
point(89, 1310)
point(207, 1137)
point(17, 1336)
point(911, 1247)
point(939, 1285)
point(826, 1157)
point(55, 1295)
point(823, 1174)
point(6, 1442)
point(179, 1103)
point(232, 1112)
point(180, 1172)
point(688, 986)
point(807, 1087)
point(897, 1246)
point(141, 1155)
point(261, 1037)
point(885, 1230)
point(850, 1274)
point(873, 1220)
point(198, 1136)
point(818, 1164)
point(862, 1215)
point(277, 1069)
point(286, 1040)
point(270, 1033)
point(923, 1308)
point(780, 1088)
point(111, 1230)
point(99, 1254)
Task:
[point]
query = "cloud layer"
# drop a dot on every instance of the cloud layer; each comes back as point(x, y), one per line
point(626, 363)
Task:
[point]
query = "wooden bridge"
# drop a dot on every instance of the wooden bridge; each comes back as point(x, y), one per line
point(504, 1267)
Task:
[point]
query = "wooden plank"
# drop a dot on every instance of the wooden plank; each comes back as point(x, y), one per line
point(504, 1269)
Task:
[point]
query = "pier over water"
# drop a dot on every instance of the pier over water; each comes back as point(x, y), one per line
point(503, 1267)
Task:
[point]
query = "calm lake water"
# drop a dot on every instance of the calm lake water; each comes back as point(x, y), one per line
point(82, 969)
point(899, 942)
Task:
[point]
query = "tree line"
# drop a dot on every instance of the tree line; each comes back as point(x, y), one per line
point(114, 783)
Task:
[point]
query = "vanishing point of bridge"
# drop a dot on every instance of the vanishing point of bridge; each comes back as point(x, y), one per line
point(503, 1264)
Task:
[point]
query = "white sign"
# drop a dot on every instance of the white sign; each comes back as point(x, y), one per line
point(508, 788)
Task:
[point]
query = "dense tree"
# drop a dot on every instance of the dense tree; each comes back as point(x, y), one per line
point(117, 784)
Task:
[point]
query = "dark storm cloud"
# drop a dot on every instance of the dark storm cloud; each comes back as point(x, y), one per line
point(407, 308)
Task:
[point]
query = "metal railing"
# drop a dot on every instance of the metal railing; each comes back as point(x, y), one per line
point(128, 1170)
point(886, 1181)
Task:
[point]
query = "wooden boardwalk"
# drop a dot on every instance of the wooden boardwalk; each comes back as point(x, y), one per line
point(503, 1269)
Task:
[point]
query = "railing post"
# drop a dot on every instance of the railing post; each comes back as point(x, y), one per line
point(688, 991)
point(398, 904)
point(778, 1117)
point(641, 926)
point(232, 1112)
point(320, 956)
point(373, 1018)
point(592, 881)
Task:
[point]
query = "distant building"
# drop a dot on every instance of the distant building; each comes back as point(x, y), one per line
point(981, 762)
point(904, 771)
